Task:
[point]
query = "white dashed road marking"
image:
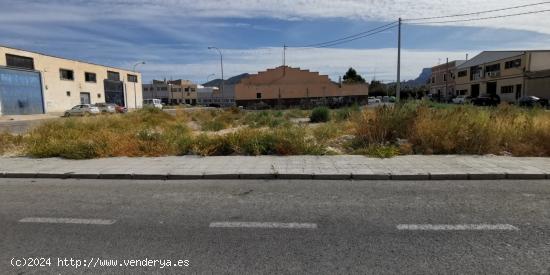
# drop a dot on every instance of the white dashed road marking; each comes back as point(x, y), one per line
point(263, 225)
point(456, 227)
point(67, 220)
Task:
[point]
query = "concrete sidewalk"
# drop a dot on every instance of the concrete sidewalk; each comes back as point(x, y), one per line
point(275, 167)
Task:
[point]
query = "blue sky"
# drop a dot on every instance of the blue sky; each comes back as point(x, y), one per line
point(172, 36)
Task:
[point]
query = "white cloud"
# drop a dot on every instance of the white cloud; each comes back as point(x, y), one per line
point(377, 10)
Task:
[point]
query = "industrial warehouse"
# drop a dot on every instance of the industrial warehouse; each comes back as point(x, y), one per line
point(35, 83)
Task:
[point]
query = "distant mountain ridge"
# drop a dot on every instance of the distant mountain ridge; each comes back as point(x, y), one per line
point(421, 80)
point(231, 81)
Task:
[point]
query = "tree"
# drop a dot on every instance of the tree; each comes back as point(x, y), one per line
point(351, 77)
point(377, 88)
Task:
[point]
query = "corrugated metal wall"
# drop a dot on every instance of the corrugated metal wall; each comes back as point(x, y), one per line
point(20, 92)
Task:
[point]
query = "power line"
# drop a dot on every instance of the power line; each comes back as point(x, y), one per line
point(344, 38)
point(477, 13)
point(338, 42)
point(476, 19)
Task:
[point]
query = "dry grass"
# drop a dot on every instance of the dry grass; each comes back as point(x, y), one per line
point(10, 144)
point(457, 130)
point(409, 128)
point(145, 133)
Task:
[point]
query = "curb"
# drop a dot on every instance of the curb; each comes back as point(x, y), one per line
point(401, 177)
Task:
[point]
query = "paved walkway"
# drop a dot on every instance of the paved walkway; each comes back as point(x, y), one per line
point(293, 167)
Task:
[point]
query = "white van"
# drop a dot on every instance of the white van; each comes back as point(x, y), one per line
point(152, 103)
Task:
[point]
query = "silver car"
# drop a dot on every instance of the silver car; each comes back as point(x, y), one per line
point(82, 110)
point(106, 108)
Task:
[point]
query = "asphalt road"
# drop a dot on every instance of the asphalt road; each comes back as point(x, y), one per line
point(300, 227)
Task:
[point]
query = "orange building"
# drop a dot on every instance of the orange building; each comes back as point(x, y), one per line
point(286, 86)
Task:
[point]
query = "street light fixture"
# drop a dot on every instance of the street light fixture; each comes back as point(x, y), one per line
point(221, 64)
point(208, 77)
point(135, 92)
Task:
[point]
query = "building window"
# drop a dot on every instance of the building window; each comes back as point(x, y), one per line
point(19, 61)
point(512, 64)
point(187, 89)
point(68, 93)
point(98, 95)
point(444, 77)
point(493, 68)
point(506, 89)
point(90, 77)
point(114, 76)
point(132, 78)
point(66, 74)
point(258, 95)
point(462, 73)
point(433, 80)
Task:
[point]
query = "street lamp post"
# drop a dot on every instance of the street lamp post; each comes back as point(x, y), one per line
point(135, 92)
point(221, 64)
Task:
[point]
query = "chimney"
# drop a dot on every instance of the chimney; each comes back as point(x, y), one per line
point(466, 57)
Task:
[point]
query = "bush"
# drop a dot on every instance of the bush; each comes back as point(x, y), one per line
point(457, 129)
point(347, 113)
point(279, 141)
point(320, 114)
point(147, 132)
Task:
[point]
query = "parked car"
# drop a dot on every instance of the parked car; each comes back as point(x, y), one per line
point(461, 99)
point(120, 109)
point(106, 108)
point(392, 99)
point(533, 101)
point(82, 110)
point(385, 99)
point(152, 103)
point(373, 100)
point(487, 100)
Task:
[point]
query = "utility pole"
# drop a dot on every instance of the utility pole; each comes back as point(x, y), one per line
point(446, 78)
point(398, 84)
point(284, 59)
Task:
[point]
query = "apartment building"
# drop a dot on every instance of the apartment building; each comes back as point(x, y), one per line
point(287, 86)
point(508, 74)
point(36, 83)
point(442, 80)
point(172, 91)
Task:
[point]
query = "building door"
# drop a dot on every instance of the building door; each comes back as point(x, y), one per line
point(114, 92)
point(475, 90)
point(518, 91)
point(491, 88)
point(20, 92)
point(85, 98)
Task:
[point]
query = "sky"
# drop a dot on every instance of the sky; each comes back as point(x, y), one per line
point(173, 36)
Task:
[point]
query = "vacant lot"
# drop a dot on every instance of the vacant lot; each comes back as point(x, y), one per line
point(410, 128)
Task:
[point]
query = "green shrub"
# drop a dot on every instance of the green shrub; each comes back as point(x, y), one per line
point(347, 113)
point(320, 114)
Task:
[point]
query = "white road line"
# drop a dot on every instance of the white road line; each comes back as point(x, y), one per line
point(67, 220)
point(263, 225)
point(456, 227)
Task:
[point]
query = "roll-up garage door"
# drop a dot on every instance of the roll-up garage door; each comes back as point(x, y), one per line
point(20, 92)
